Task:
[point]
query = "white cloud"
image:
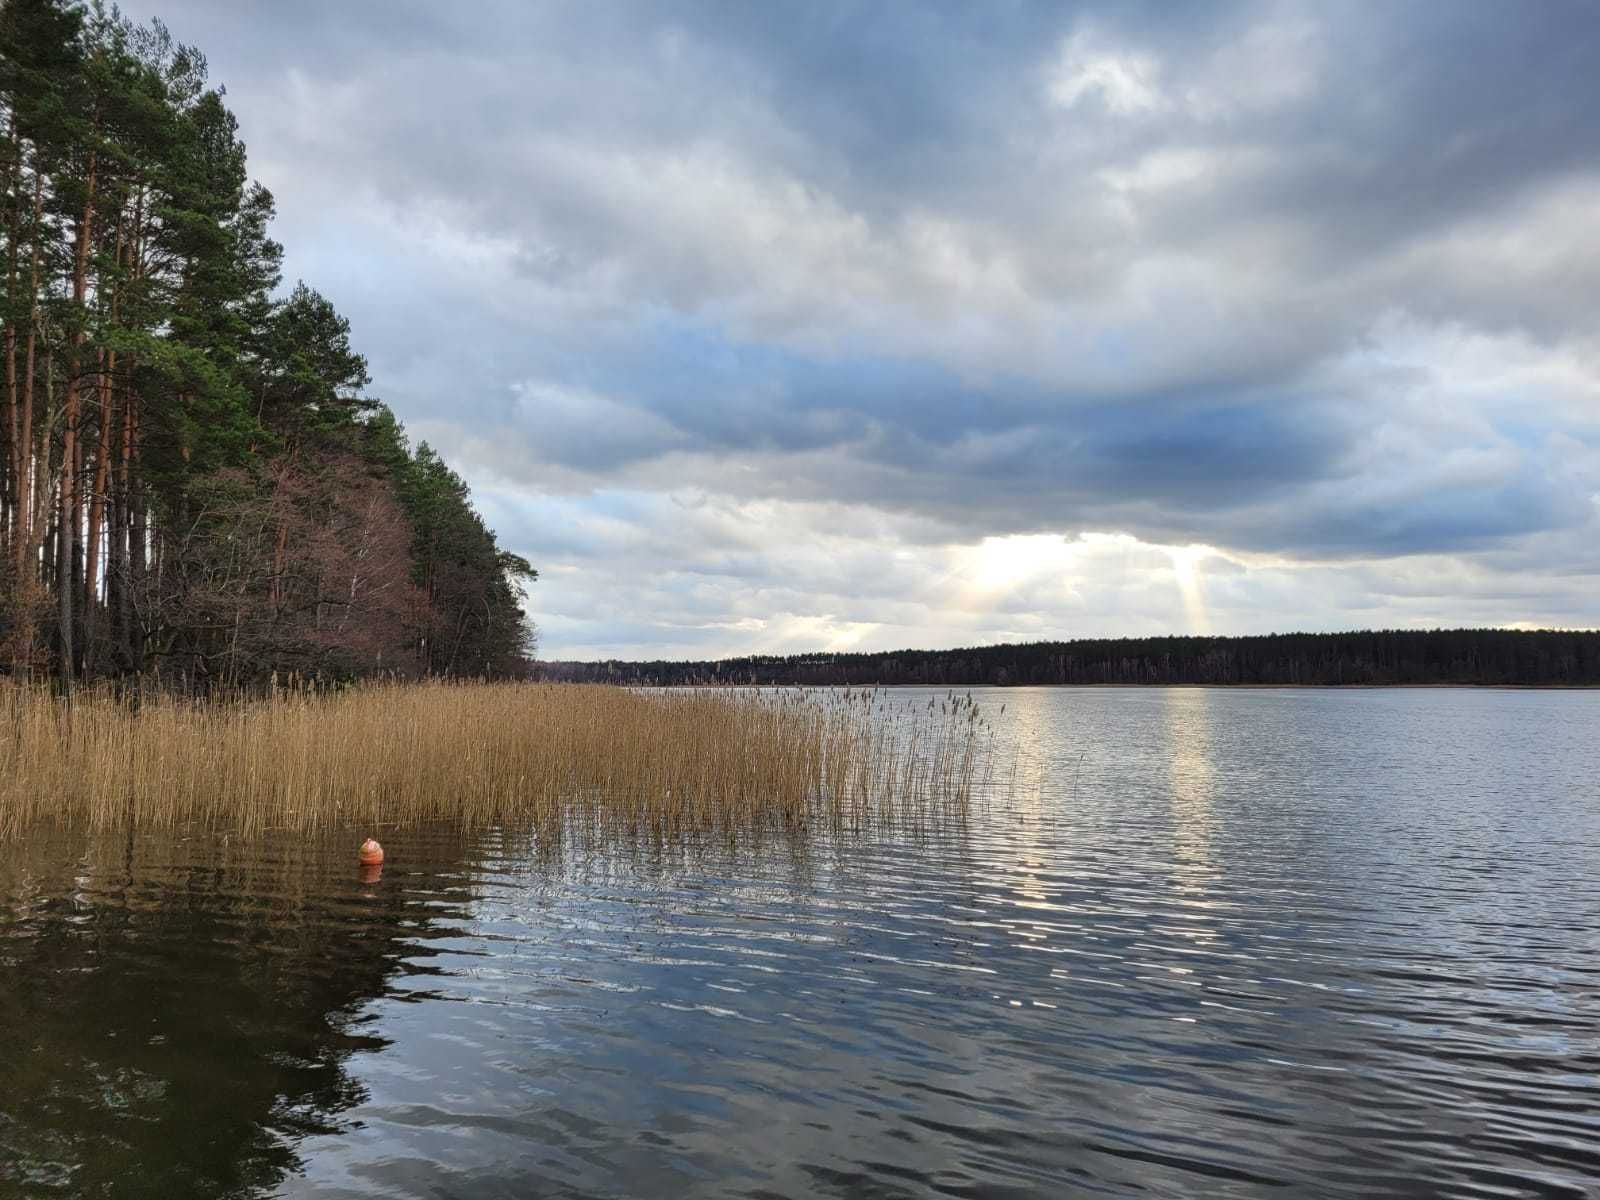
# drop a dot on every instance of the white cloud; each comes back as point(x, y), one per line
point(1126, 82)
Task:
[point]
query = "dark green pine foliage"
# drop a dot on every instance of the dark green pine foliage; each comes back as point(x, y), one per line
point(195, 483)
point(1373, 658)
point(469, 583)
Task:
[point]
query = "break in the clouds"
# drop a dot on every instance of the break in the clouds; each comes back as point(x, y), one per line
point(778, 327)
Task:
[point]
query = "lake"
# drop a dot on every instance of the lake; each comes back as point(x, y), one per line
point(1190, 943)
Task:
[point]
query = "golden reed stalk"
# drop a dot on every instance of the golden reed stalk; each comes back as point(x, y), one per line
point(387, 755)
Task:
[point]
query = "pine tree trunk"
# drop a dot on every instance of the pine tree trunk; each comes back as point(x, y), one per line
point(13, 235)
point(116, 546)
point(18, 454)
point(120, 568)
point(97, 509)
point(27, 481)
point(138, 538)
point(71, 513)
point(107, 360)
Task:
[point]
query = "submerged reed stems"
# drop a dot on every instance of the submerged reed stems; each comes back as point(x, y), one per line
point(486, 753)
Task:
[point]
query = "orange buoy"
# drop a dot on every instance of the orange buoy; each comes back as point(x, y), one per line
point(371, 853)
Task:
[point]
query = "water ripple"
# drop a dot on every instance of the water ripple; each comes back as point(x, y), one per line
point(1256, 943)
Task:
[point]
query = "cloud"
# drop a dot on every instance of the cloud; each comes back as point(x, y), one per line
point(1126, 83)
point(755, 324)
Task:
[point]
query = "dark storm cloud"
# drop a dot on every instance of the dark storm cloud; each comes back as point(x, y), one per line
point(1309, 280)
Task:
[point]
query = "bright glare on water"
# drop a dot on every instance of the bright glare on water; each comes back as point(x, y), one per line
point(1196, 943)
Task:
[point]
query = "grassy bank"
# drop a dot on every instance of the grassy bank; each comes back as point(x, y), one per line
point(399, 754)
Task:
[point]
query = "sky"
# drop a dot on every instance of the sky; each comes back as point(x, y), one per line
point(780, 328)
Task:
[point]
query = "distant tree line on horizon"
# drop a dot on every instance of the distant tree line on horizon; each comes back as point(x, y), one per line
point(1376, 657)
point(193, 482)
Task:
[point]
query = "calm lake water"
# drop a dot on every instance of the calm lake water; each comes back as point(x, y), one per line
point(1209, 943)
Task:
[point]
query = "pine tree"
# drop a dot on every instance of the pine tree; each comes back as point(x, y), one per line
point(195, 480)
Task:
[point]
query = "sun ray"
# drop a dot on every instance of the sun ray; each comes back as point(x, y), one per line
point(1186, 571)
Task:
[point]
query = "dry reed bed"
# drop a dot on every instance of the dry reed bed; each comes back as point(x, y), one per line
point(400, 754)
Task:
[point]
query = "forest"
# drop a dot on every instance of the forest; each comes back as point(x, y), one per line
point(195, 484)
point(1378, 657)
